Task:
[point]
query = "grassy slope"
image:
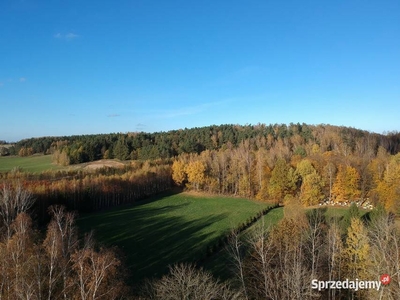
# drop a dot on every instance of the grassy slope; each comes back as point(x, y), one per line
point(35, 163)
point(168, 229)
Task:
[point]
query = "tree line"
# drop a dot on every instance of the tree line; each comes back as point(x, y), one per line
point(256, 170)
point(140, 145)
point(92, 190)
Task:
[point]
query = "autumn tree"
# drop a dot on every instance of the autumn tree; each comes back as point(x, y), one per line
point(356, 252)
point(195, 173)
point(25, 151)
point(346, 186)
point(61, 157)
point(304, 168)
point(178, 172)
point(263, 176)
point(311, 190)
point(387, 188)
point(245, 164)
point(329, 173)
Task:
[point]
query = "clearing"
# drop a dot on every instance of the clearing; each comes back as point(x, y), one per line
point(168, 228)
point(40, 163)
point(33, 164)
point(102, 163)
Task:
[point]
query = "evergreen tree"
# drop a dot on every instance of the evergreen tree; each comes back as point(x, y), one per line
point(121, 149)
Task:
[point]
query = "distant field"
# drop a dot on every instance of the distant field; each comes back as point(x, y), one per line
point(168, 229)
point(40, 163)
point(34, 163)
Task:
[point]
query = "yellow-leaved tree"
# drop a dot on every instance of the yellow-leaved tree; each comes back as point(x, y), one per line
point(356, 252)
point(196, 173)
point(311, 187)
point(387, 189)
point(178, 172)
point(347, 184)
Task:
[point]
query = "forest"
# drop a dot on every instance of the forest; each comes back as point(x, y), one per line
point(295, 138)
point(297, 166)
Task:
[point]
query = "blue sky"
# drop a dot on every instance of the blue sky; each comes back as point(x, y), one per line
point(79, 67)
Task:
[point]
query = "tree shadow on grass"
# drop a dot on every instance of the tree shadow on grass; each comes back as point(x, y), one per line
point(221, 263)
point(153, 237)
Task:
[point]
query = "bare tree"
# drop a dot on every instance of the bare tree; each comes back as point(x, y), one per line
point(13, 201)
point(184, 281)
point(236, 251)
point(261, 251)
point(61, 241)
point(20, 261)
point(315, 241)
point(384, 239)
point(334, 249)
point(276, 267)
point(96, 274)
point(55, 268)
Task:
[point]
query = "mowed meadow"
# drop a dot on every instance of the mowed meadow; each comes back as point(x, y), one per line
point(169, 228)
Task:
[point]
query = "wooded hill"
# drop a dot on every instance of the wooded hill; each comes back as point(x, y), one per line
point(296, 139)
point(274, 162)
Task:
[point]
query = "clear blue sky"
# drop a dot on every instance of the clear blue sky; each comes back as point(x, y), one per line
point(78, 67)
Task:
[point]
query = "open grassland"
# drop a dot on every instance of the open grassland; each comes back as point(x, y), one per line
point(39, 163)
point(168, 229)
point(34, 163)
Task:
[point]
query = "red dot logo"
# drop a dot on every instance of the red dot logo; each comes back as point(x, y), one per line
point(385, 279)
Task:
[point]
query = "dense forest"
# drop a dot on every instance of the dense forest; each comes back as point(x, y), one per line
point(295, 138)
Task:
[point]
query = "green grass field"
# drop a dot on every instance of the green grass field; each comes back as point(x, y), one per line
point(34, 163)
point(220, 264)
point(175, 228)
point(168, 229)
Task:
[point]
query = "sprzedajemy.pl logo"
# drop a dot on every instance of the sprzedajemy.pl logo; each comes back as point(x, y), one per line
point(350, 284)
